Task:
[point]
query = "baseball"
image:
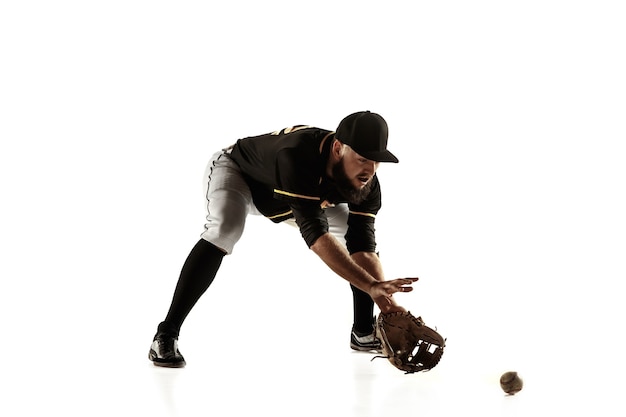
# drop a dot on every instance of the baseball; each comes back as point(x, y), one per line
point(511, 382)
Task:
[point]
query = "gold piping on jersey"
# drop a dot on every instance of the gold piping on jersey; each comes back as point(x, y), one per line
point(324, 140)
point(288, 194)
point(287, 213)
point(360, 213)
point(289, 130)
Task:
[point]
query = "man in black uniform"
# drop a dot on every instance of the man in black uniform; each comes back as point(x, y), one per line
point(325, 182)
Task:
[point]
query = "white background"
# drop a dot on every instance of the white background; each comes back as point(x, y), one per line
point(508, 203)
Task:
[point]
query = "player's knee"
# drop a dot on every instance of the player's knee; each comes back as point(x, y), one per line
point(227, 212)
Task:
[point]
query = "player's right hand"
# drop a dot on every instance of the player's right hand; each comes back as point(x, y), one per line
point(382, 293)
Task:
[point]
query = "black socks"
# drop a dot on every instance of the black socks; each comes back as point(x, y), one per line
point(363, 312)
point(198, 273)
point(196, 276)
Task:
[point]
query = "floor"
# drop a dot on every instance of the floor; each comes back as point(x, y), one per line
point(287, 353)
point(283, 380)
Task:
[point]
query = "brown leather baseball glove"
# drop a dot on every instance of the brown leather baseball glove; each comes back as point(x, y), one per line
point(408, 343)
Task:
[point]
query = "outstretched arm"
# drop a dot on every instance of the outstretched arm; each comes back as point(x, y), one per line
point(363, 270)
point(371, 263)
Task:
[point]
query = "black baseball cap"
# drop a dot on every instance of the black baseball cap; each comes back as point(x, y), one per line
point(367, 134)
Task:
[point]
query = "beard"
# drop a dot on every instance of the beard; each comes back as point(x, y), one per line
point(344, 186)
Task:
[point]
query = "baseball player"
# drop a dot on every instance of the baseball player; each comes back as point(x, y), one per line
point(322, 181)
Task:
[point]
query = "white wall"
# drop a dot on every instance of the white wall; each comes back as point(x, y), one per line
point(508, 202)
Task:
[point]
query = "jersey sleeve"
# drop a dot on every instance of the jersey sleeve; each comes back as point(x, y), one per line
point(311, 221)
point(298, 185)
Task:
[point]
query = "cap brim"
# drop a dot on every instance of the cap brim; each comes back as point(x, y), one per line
point(384, 156)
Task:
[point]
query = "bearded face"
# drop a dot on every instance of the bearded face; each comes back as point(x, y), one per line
point(356, 187)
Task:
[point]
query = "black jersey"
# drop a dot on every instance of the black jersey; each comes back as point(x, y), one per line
point(286, 172)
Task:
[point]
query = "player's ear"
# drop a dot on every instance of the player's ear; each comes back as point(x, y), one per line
point(337, 149)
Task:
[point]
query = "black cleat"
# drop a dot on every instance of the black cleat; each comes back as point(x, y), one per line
point(164, 352)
